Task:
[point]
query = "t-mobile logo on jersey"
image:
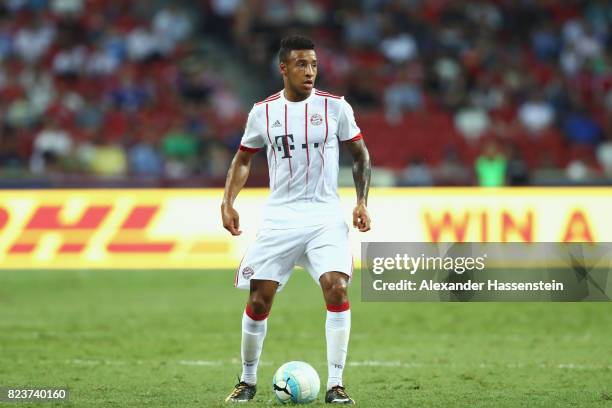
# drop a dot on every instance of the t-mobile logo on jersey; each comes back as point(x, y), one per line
point(282, 144)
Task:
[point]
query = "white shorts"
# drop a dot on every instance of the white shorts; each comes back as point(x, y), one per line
point(318, 249)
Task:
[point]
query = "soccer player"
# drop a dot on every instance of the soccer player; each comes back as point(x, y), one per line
point(301, 129)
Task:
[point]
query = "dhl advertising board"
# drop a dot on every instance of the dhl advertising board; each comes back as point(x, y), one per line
point(182, 228)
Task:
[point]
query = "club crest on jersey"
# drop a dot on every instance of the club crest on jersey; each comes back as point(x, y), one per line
point(316, 119)
point(247, 272)
point(276, 124)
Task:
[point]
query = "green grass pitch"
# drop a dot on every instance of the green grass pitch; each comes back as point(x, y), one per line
point(172, 338)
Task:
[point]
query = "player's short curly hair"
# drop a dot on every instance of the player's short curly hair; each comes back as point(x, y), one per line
point(293, 42)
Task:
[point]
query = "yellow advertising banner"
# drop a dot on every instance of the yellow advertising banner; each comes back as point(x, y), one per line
point(182, 228)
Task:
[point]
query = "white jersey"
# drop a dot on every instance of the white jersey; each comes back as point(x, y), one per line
point(302, 145)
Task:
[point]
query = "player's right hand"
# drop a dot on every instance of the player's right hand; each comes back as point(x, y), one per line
point(231, 220)
point(361, 218)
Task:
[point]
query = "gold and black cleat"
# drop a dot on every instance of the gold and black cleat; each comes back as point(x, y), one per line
point(242, 392)
point(338, 395)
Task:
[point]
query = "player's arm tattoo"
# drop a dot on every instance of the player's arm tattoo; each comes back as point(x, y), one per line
point(361, 169)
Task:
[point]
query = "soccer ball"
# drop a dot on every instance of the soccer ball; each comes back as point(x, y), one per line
point(296, 382)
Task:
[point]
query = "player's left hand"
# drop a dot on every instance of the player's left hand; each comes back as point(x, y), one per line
point(361, 218)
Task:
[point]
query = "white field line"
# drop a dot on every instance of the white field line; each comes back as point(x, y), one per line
point(34, 332)
point(363, 363)
point(199, 363)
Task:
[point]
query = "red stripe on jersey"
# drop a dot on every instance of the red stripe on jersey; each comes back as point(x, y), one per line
point(272, 97)
point(269, 98)
point(306, 136)
point(249, 149)
point(320, 93)
point(270, 141)
point(325, 92)
point(339, 308)
point(359, 136)
point(289, 151)
point(325, 141)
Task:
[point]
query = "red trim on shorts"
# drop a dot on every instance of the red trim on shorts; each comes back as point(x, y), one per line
point(255, 316)
point(359, 136)
point(339, 308)
point(250, 149)
point(237, 272)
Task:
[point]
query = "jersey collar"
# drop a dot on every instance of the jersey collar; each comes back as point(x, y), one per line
point(288, 102)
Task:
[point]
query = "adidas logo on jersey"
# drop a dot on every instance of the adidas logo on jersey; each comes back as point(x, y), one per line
point(276, 124)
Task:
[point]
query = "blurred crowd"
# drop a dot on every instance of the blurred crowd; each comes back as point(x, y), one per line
point(447, 91)
point(109, 89)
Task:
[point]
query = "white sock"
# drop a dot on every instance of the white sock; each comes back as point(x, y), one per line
point(253, 335)
point(337, 330)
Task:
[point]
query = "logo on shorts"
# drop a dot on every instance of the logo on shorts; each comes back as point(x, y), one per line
point(247, 272)
point(316, 119)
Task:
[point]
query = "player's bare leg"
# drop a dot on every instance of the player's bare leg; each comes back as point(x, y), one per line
point(337, 331)
point(254, 327)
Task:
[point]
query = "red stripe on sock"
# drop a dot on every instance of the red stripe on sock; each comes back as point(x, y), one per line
point(339, 308)
point(255, 316)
